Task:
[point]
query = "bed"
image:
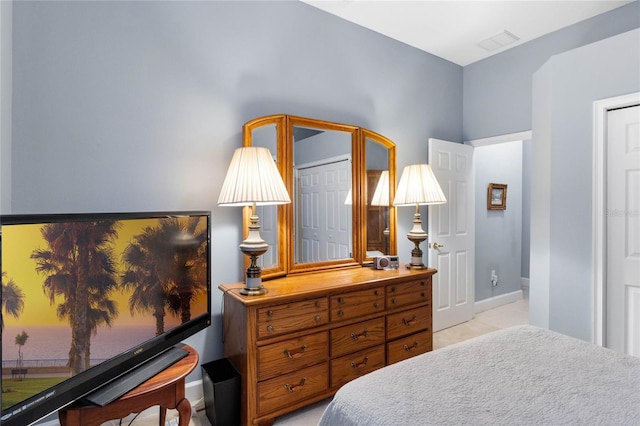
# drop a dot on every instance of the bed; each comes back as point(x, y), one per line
point(522, 375)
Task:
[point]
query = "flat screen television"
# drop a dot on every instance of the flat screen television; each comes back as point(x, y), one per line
point(89, 297)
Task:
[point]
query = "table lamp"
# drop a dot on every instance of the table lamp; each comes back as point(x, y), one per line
point(418, 186)
point(253, 180)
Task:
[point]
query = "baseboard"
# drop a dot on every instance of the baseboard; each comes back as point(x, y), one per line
point(193, 392)
point(524, 283)
point(494, 302)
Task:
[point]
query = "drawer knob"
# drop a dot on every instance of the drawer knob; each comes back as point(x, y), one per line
point(376, 293)
point(410, 348)
point(423, 283)
point(340, 313)
point(317, 304)
point(361, 364)
point(269, 313)
point(394, 301)
point(340, 299)
point(393, 289)
point(270, 329)
point(293, 355)
point(292, 388)
point(357, 336)
point(318, 318)
point(409, 321)
point(376, 305)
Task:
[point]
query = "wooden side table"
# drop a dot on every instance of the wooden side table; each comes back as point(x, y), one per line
point(165, 389)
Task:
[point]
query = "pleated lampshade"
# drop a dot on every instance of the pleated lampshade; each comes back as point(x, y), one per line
point(253, 177)
point(418, 185)
point(381, 193)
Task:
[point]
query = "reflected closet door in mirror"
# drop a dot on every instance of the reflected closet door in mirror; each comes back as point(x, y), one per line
point(324, 215)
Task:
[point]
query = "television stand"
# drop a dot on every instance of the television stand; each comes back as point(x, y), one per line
point(166, 389)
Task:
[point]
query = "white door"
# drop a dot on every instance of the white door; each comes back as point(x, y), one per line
point(451, 226)
point(623, 230)
point(324, 217)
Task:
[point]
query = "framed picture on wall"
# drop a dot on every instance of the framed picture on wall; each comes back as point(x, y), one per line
point(497, 196)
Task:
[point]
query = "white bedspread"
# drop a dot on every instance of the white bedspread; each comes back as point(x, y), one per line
point(519, 376)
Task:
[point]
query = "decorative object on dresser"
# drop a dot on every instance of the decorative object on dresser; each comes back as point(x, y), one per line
point(253, 179)
point(312, 333)
point(418, 186)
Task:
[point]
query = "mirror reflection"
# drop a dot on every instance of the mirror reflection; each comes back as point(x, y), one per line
point(331, 170)
point(378, 233)
point(323, 228)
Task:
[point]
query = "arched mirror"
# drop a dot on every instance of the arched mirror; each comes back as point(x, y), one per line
point(331, 171)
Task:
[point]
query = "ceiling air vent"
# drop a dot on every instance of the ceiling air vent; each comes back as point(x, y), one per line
point(497, 41)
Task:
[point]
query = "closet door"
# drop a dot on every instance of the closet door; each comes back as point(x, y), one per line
point(623, 230)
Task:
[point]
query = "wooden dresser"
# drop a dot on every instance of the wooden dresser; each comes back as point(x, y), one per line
point(312, 333)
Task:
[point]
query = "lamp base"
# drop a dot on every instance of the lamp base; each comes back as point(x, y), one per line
point(416, 236)
point(416, 266)
point(253, 284)
point(253, 291)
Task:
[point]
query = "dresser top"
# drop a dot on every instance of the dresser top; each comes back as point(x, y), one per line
point(320, 283)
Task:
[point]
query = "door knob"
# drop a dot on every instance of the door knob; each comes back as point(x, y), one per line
point(436, 246)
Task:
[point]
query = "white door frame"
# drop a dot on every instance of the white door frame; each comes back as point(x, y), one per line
point(600, 110)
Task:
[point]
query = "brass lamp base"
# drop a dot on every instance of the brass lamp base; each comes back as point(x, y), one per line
point(254, 246)
point(253, 285)
point(416, 236)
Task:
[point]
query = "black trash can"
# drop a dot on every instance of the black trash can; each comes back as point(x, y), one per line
point(221, 388)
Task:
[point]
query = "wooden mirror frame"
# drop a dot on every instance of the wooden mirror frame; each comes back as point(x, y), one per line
point(284, 156)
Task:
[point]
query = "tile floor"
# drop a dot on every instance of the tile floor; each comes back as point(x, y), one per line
point(484, 322)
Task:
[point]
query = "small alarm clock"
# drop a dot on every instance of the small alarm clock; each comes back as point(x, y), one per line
point(386, 262)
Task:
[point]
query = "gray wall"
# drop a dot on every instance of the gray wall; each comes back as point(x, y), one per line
point(138, 106)
point(561, 215)
point(498, 232)
point(6, 12)
point(498, 90)
point(497, 97)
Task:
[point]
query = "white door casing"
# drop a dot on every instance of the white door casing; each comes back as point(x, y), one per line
point(616, 224)
point(622, 315)
point(452, 226)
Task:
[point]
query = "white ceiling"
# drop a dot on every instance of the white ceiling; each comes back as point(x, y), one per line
point(453, 29)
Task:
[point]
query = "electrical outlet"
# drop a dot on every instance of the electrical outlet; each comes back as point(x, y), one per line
point(494, 278)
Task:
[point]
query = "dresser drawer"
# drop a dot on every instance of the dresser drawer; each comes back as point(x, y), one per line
point(354, 337)
point(409, 346)
point(349, 367)
point(290, 355)
point(289, 317)
point(286, 390)
point(409, 292)
point(408, 322)
point(357, 303)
